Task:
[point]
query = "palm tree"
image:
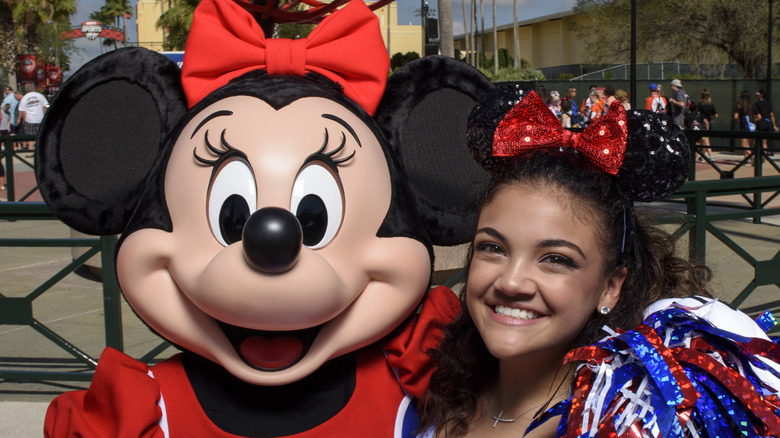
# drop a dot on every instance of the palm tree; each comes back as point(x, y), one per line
point(516, 35)
point(177, 21)
point(495, 40)
point(122, 10)
point(445, 28)
point(473, 20)
point(115, 12)
point(481, 62)
point(28, 16)
point(466, 35)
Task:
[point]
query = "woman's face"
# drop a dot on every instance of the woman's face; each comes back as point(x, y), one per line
point(537, 273)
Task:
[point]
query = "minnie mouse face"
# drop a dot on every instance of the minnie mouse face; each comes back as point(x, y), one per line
point(256, 309)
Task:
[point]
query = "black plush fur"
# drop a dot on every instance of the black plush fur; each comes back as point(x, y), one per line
point(102, 135)
point(423, 114)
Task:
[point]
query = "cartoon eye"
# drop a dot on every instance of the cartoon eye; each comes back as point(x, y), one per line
point(232, 198)
point(318, 203)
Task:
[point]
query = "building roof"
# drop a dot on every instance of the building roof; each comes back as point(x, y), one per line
point(527, 22)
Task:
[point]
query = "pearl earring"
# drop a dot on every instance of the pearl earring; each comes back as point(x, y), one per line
point(604, 310)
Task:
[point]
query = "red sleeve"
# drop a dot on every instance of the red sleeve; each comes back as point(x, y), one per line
point(407, 352)
point(121, 402)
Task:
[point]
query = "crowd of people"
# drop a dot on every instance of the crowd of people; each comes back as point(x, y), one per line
point(755, 116)
point(594, 105)
point(749, 115)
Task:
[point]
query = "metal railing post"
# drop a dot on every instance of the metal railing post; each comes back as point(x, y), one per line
point(8, 155)
point(697, 236)
point(112, 301)
point(758, 171)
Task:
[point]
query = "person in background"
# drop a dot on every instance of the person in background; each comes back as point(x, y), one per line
point(679, 103)
point(763, 116)
point(599, 107)
point(655, 102)
point(554, 103)
point(12, 101)
point(707, 109)
point(608, 97)
point(32, 108)
point(571, 95)
point(5, 112)
point(567, 114)
point(542, 283)
point(586, 106)
point(622, 96)
point(743, 114)
point(7, 126)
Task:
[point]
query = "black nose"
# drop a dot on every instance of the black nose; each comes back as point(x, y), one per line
point(272, 240)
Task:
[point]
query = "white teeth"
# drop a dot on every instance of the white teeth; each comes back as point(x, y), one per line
point(515, 313)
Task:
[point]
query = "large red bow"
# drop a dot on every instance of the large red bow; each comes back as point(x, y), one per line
point(531, 125)
point(225, 42)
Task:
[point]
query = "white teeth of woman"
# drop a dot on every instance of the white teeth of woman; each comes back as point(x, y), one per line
point(515, 313)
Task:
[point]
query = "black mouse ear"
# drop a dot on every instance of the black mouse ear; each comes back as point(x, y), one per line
point(102, 134)
point(423, 114)
point(657, 160)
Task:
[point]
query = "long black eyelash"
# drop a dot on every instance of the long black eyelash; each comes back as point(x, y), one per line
point(328, 156)
point(220, 153)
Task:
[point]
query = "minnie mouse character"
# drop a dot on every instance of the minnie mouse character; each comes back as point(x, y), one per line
point(278, 201)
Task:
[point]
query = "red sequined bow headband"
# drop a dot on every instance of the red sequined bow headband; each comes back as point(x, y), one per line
point(530, 125)
point(225, 42)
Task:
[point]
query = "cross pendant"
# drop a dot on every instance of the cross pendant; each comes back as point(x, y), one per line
point(502, 420)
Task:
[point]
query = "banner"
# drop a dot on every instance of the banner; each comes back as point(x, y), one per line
point(28, 68)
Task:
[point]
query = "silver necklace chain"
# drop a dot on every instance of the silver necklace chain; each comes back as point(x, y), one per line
point(500, 419)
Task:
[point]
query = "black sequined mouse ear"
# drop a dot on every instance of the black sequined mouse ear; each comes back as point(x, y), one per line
point(484, 119)
point(657, 159)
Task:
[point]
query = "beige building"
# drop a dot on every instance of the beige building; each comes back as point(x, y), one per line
point(547, 41)
point(398, 37)
point(147, 12)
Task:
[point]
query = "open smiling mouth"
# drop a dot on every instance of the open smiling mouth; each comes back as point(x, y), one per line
point(269, 350)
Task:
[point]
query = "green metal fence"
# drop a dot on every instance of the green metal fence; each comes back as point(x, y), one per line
point(11, 151)
point(697, 223)
point(19, 310)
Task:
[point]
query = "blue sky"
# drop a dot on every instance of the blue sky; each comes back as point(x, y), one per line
point(527, 9)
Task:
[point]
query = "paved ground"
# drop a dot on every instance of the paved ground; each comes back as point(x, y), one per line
point(73, 308)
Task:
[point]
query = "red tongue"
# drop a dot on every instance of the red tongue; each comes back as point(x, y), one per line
point(271, 353)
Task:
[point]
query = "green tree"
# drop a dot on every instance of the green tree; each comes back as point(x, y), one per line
point(694, 31)
point(27, 27)
point(293, 30)
point(400, 59)
point(115, 13)
point(176, 22)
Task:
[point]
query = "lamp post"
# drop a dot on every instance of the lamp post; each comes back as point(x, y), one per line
point(423, 25)
point(633, 54)
point(769, 54)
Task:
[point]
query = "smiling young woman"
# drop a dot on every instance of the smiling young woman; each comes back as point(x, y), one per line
point(558, 254)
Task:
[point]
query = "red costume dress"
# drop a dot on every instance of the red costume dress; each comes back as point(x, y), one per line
point(129, 399)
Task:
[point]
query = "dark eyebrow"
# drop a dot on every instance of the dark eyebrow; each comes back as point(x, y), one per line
point(211, 116)
point(344, 124)
point(552, 243)
point(492, 232)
